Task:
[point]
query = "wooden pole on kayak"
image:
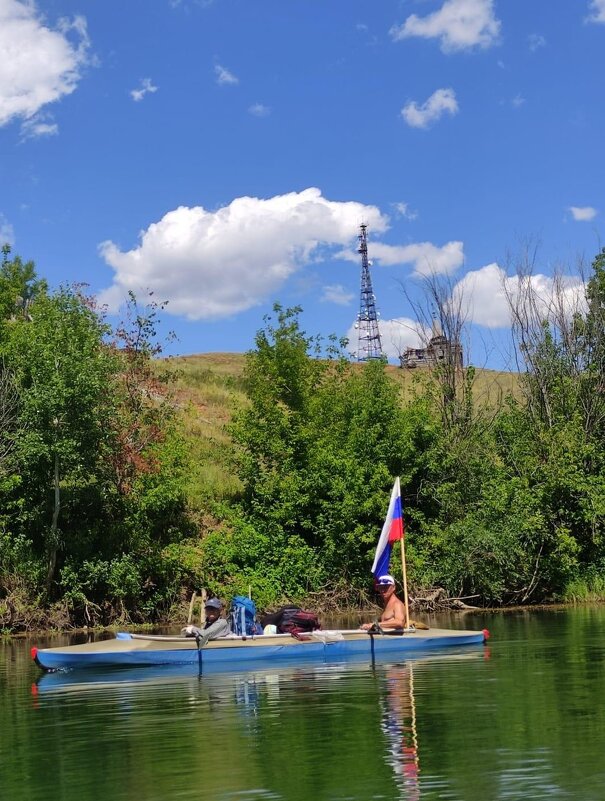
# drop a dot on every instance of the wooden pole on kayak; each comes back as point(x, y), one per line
point(403, 569)
point(203, 609)
point(191, 605)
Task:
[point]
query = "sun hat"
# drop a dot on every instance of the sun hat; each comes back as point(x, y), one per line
point(213, 603)
point(384, 581)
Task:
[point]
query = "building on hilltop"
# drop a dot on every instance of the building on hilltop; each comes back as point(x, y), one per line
point(439, 350)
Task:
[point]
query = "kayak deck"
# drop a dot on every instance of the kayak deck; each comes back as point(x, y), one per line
point(138, 650)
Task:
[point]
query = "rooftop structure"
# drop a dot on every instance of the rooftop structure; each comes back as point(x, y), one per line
point(439, 350)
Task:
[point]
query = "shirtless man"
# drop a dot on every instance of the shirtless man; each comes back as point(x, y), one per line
point(393, 613)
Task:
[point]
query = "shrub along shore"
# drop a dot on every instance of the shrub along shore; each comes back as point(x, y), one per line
point(128, 481)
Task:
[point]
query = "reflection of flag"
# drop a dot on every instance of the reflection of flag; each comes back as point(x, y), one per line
point(399, 725)
point(392, 531)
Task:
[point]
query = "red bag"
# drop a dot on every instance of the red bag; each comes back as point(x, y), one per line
point(300, 622)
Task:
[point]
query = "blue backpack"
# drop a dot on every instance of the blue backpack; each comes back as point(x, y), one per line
point(242, 616)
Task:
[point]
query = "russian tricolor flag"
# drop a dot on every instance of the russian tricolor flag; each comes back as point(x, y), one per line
point(392, 531)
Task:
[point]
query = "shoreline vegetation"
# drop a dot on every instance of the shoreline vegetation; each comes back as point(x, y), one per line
point(349, 616)
point(129, 480)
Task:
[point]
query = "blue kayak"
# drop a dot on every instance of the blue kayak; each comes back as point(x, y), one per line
point(136, 650)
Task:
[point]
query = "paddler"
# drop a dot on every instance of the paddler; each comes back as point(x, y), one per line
point(393, 610)
point(216, 626)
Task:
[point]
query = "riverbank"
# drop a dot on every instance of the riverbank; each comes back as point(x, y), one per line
point(347, 617)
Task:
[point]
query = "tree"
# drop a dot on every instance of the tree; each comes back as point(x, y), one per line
point(589, 331)
point(144, 412)
point(554, 448)
point(19, 285)
point(65, 375)
point(8, 416)
point(281, 380)
point(320, 444)
point(362, 437)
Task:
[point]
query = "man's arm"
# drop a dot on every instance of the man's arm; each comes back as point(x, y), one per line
point(217, 629)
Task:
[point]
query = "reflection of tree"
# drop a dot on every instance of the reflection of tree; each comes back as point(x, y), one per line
point(399, 727)
point(318, 738)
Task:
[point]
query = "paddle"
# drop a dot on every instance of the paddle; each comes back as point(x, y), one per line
point(375, 628)
point(199, 653)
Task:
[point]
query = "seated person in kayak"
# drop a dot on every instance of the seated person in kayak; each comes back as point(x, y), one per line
point(216, 626)
point(393, 612)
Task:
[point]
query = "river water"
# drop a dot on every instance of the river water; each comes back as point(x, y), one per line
point(523, 718)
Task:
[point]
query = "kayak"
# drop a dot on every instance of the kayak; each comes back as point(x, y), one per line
point(137, 650)
point(150, 678)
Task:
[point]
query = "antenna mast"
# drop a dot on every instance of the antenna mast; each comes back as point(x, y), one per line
point(369, 344)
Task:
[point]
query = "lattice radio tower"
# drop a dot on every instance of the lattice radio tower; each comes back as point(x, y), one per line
point(369, 345)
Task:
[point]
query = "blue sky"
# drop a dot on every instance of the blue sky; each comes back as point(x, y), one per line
point(223, 153)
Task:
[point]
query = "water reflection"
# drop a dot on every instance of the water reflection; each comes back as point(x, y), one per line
point(353, 726)
point(399, 727)
point(525, 723)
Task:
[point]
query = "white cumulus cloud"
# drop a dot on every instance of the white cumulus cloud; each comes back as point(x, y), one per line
point(212, 264)
point(459, 24)
point(441, 102)
point(336, 293)
point(146, 87)
point(597, 9)
point(259, 110)
point(225, 77)
point(39, 65)
point(536, 41)
point(7, 234)
point(428, 259)
point(403, 210)
point(583, 213)
point(484, 294)
point(39, 125)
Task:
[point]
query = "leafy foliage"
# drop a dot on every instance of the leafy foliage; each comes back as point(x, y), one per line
point(95, 488)
point(505, 504)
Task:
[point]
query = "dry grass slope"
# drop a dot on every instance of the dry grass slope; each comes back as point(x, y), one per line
point(210, 388)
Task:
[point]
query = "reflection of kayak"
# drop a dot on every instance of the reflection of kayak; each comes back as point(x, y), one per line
point(104, 678)
point(138, 650)
point(62, 681)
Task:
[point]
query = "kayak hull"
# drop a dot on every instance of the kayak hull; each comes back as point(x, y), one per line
point(137, 650)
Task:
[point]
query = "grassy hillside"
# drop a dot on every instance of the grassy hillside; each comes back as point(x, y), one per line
point(210, 387)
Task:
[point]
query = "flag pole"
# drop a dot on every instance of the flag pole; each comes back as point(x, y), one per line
point(403, 570)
